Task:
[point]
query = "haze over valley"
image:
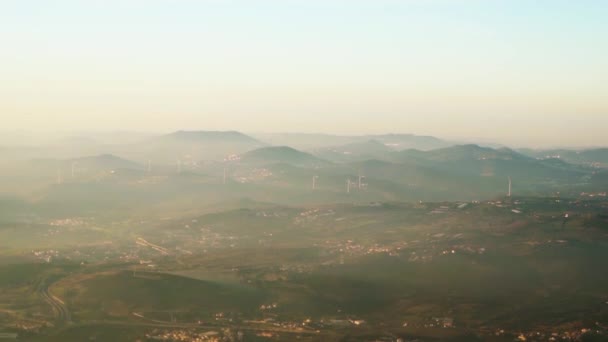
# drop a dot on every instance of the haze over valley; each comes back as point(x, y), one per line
point(203, 235)
point(303, 170)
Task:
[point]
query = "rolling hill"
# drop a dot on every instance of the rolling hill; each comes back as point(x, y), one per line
point(210, 137)
point(105, 162)
point(281, 154)
point(189, 146)
point(320, 141)
point(357, 151)
point(460, 153)
point(408, 141)
point(495, 165)
point(597, 156)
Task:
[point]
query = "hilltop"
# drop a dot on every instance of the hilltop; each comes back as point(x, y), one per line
point(211, 136)
point(321, 141)
point(461, 153)
point(190, 146)
point(280, 154)
point(596, 156)
point(356, 151)
point(406, 141)
point(101, 162)
point(105, 161)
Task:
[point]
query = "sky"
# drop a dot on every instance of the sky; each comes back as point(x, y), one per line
point(519, 72)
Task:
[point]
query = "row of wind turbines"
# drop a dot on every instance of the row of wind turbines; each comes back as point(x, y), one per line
point(359, 184)
point(349, 183)
point(60, 175)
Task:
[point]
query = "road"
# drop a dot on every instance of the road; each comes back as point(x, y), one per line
point(63, 316)
point(59, 308)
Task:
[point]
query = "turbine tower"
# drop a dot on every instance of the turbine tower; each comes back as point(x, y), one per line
point(360, 179)
point(314, 182)
point(348, 186)
point(509, 193)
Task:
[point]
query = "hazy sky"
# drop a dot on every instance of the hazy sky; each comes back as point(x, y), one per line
point(514, 71)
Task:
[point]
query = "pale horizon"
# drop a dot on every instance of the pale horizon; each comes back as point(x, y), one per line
point(510, 72)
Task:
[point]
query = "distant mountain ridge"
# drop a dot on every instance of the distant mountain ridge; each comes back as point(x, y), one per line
point(309, 141)
point(405, 141)
point(189, 145)
point(366, 147)
point(462, 152)
point(223, 166)
point(107, 161)
point(587, 156)
point(280, 154)
point(211, 136)
point(356, 151)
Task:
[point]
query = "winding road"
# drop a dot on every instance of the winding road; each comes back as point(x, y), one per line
point(64, 317)
point(59, 308)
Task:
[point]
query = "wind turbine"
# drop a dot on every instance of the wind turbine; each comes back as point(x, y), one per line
point(360, 179)
point(314, 182)
point(348, 186)
point(509, 193)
